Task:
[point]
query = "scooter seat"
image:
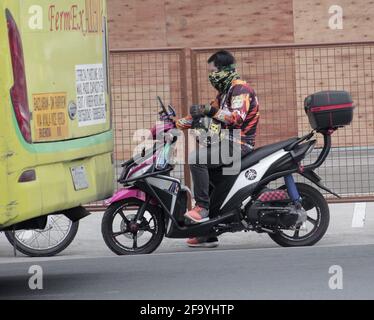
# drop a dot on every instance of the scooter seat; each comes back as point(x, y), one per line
point(262, 152)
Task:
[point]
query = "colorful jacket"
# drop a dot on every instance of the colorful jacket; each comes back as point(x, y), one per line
point(238, 109)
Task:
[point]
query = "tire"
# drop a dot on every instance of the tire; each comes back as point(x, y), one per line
point(312, 198)
point(49, 251)
point(113, 211)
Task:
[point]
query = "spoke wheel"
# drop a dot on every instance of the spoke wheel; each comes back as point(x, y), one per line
point(59, 232)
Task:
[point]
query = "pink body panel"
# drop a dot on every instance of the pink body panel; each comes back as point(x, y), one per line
point(127, 194)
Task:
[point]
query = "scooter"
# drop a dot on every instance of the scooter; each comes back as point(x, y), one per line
point(152, 204)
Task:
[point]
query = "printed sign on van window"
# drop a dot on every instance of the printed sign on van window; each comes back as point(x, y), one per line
point(50, 116)
point(90, 87)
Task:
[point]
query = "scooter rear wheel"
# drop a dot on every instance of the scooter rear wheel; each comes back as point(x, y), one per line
point(317, 224)
point(125, 236)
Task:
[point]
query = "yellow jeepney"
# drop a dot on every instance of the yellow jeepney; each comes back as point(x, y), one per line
point(56, 140)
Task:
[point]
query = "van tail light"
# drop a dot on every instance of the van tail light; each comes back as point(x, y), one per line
point(18, 92)
point(27, 176)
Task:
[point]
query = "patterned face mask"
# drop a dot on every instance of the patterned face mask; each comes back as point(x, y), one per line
point(221, 80)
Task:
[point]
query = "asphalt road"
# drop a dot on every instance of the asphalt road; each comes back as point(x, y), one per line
point(89, 241)
point(244, 266)
point(279, 273)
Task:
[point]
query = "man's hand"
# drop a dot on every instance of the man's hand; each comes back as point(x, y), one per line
point(198, 111)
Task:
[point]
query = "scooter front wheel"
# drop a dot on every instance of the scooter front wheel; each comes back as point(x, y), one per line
point(126, 236)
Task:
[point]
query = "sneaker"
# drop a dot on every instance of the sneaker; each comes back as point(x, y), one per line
point(203, 242)
point(198, 215)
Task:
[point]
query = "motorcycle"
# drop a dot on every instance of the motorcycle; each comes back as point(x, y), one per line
point(152, 204)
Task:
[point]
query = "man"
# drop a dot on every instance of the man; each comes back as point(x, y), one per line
point(235, 107)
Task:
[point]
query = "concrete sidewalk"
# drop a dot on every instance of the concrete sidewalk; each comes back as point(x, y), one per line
point(89, 242)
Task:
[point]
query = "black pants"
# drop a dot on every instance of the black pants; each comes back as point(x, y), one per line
point(207, 158)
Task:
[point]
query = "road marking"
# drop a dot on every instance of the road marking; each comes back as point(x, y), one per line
point(358, 220)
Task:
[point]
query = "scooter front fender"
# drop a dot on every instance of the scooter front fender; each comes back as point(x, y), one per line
point(126, 193)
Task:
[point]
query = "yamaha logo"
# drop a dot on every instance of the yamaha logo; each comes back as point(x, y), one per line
point(251, 174)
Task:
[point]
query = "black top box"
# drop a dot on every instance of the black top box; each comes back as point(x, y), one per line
point(329, 109)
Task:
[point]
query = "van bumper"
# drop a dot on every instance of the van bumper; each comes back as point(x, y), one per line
point(54, 190)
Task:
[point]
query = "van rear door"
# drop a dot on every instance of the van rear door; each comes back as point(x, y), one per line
point(65, 55)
